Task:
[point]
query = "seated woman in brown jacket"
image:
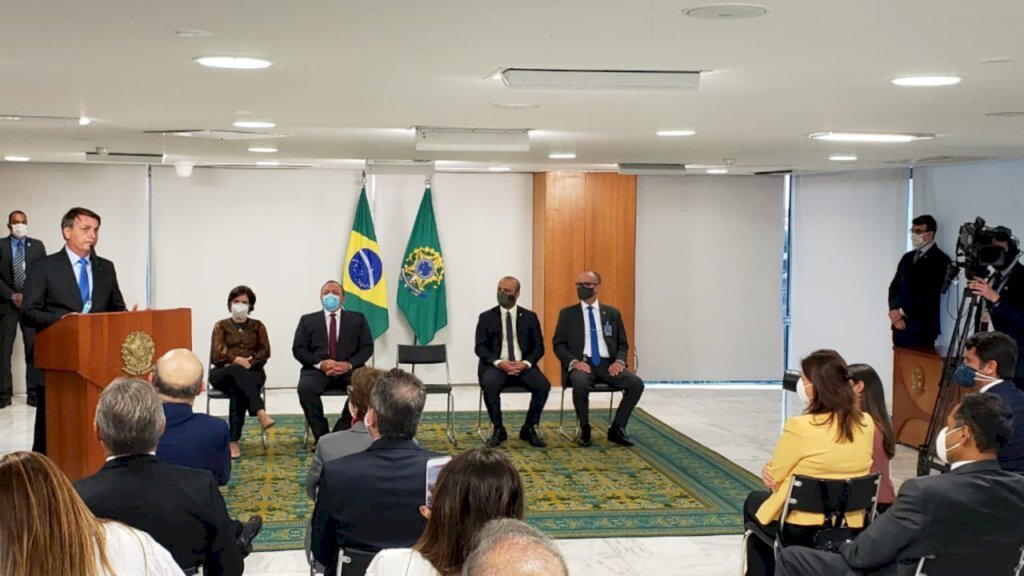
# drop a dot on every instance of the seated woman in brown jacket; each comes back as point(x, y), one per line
point(238, 352)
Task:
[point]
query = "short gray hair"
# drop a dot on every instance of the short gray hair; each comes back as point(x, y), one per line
point(398, 399)
point(129, 417)
point(507, 546)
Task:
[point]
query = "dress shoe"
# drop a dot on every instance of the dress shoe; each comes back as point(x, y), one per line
point(619, 435)
point(584, 439)
point(529, 433)
point(249, 531)
point(497, 437)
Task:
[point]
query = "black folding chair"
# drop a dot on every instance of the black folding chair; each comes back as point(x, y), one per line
point(998, 559)
point(432, 354)
point(351, 562)
point(820, 496)
point(511, 389)
point(308, 432)
point(599, 387)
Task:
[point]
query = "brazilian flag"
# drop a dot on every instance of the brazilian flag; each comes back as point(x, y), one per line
point(421, 293)
point(365, 287)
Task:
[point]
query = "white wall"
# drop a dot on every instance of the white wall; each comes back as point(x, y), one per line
point(117, 193)
point(959, 193)
point(284, 232)
point(708, 278)
point(849, 231)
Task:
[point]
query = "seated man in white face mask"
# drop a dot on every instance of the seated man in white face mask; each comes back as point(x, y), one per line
point(990, 359)
point(972, 513)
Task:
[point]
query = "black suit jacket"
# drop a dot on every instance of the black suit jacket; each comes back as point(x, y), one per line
point(370, 500)
point(488, 336)
point(181, 508)
point(1008, 314)
point(917, 288)
point(975, 511)
point(569, 338)
point(355, 344)
point(51, 290)
point(34, 250)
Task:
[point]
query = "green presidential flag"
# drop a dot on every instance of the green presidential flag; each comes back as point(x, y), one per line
point(366, 289)
point(421, 293)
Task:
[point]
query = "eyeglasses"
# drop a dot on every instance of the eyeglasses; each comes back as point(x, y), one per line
point(587, 284)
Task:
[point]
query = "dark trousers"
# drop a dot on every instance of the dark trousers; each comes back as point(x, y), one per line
point(8, 332)
point(243, 388)
point(760, 554)
point(631, 385)
point(312, 384)
point(492, 380)
point(1019, 382)
point(39, 436)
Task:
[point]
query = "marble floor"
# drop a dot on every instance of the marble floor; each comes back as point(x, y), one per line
point(741, 424)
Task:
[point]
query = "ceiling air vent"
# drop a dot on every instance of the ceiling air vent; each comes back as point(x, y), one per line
point(218, 134)
point(652, 169)
point(124, 157)
point(559, 79)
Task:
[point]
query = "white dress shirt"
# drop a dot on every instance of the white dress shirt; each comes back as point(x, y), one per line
point(74, 258)
point(956, 465)
point(602, 346)
point(514, 311)
point(987, 386)
point(327, 323)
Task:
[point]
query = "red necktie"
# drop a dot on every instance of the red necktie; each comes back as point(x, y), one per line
point(332, 338)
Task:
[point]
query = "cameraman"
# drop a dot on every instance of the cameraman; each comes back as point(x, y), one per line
point(915, 289)
point(1004, 294)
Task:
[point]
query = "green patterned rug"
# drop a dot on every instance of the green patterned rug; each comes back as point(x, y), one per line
point(667, 485)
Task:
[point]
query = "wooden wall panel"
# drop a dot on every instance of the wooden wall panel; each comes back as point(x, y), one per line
point(582, 222)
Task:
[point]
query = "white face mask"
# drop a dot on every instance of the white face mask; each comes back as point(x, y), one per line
point(239, 311)
point(941, 450)
point(917, 240)
point(19, 231)
point(801, 391)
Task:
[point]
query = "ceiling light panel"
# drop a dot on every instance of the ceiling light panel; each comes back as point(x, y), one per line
point(233, 62)
point(869, 137)
point(472, 140)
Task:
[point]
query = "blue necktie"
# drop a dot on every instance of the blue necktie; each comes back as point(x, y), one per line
point(19, 265)
point(83, 280)
point(595, 350)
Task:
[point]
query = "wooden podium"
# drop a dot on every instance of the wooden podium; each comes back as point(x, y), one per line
point(915, 387)
point(81, 355)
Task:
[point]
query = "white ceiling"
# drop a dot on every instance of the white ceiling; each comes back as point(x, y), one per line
point(350, 77)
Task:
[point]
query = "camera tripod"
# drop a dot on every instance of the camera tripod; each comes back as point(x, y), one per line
point(968, 320)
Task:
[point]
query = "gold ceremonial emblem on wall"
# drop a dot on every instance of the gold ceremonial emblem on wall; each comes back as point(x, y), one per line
point(137, 353)
point(917, 380)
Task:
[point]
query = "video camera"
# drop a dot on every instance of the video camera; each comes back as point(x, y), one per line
point(976, 252)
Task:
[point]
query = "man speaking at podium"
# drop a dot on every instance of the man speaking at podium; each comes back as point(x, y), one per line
point(72, 281)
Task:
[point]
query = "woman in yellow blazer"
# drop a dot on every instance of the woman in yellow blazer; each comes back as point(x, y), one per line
point(831, 439)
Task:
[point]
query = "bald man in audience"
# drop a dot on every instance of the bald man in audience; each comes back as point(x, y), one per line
point(194, 440)
point(508, 547)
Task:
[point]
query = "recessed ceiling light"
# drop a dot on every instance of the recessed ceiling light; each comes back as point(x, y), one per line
point(262, 149)
point(562, 155)
point(843, 157)
point(879, 137)
point(499, 169)
point(726, 11)
point(268, 163)
point(233, 62)
point(926, 81)
point(671, 133)
point(253, 124)
point(17, 158)
point(83, 121)
point(192, 33)
point(517, 106)
point(717, 171)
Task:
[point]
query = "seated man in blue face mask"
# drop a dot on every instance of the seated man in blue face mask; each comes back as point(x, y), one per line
point(329, 343)
point(970, 517)
point(990, 359)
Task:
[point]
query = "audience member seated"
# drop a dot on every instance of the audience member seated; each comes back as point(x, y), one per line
point(370, 500)
point(181, 508)
point(345, 442)
point(193, 440)
point(329, 343)
point(990, 360)
point(477, 486)
point(971, 512)
point(831, 439)
point(238, 352)
point(509, 547)
point(48, 531)
point(871, 397)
